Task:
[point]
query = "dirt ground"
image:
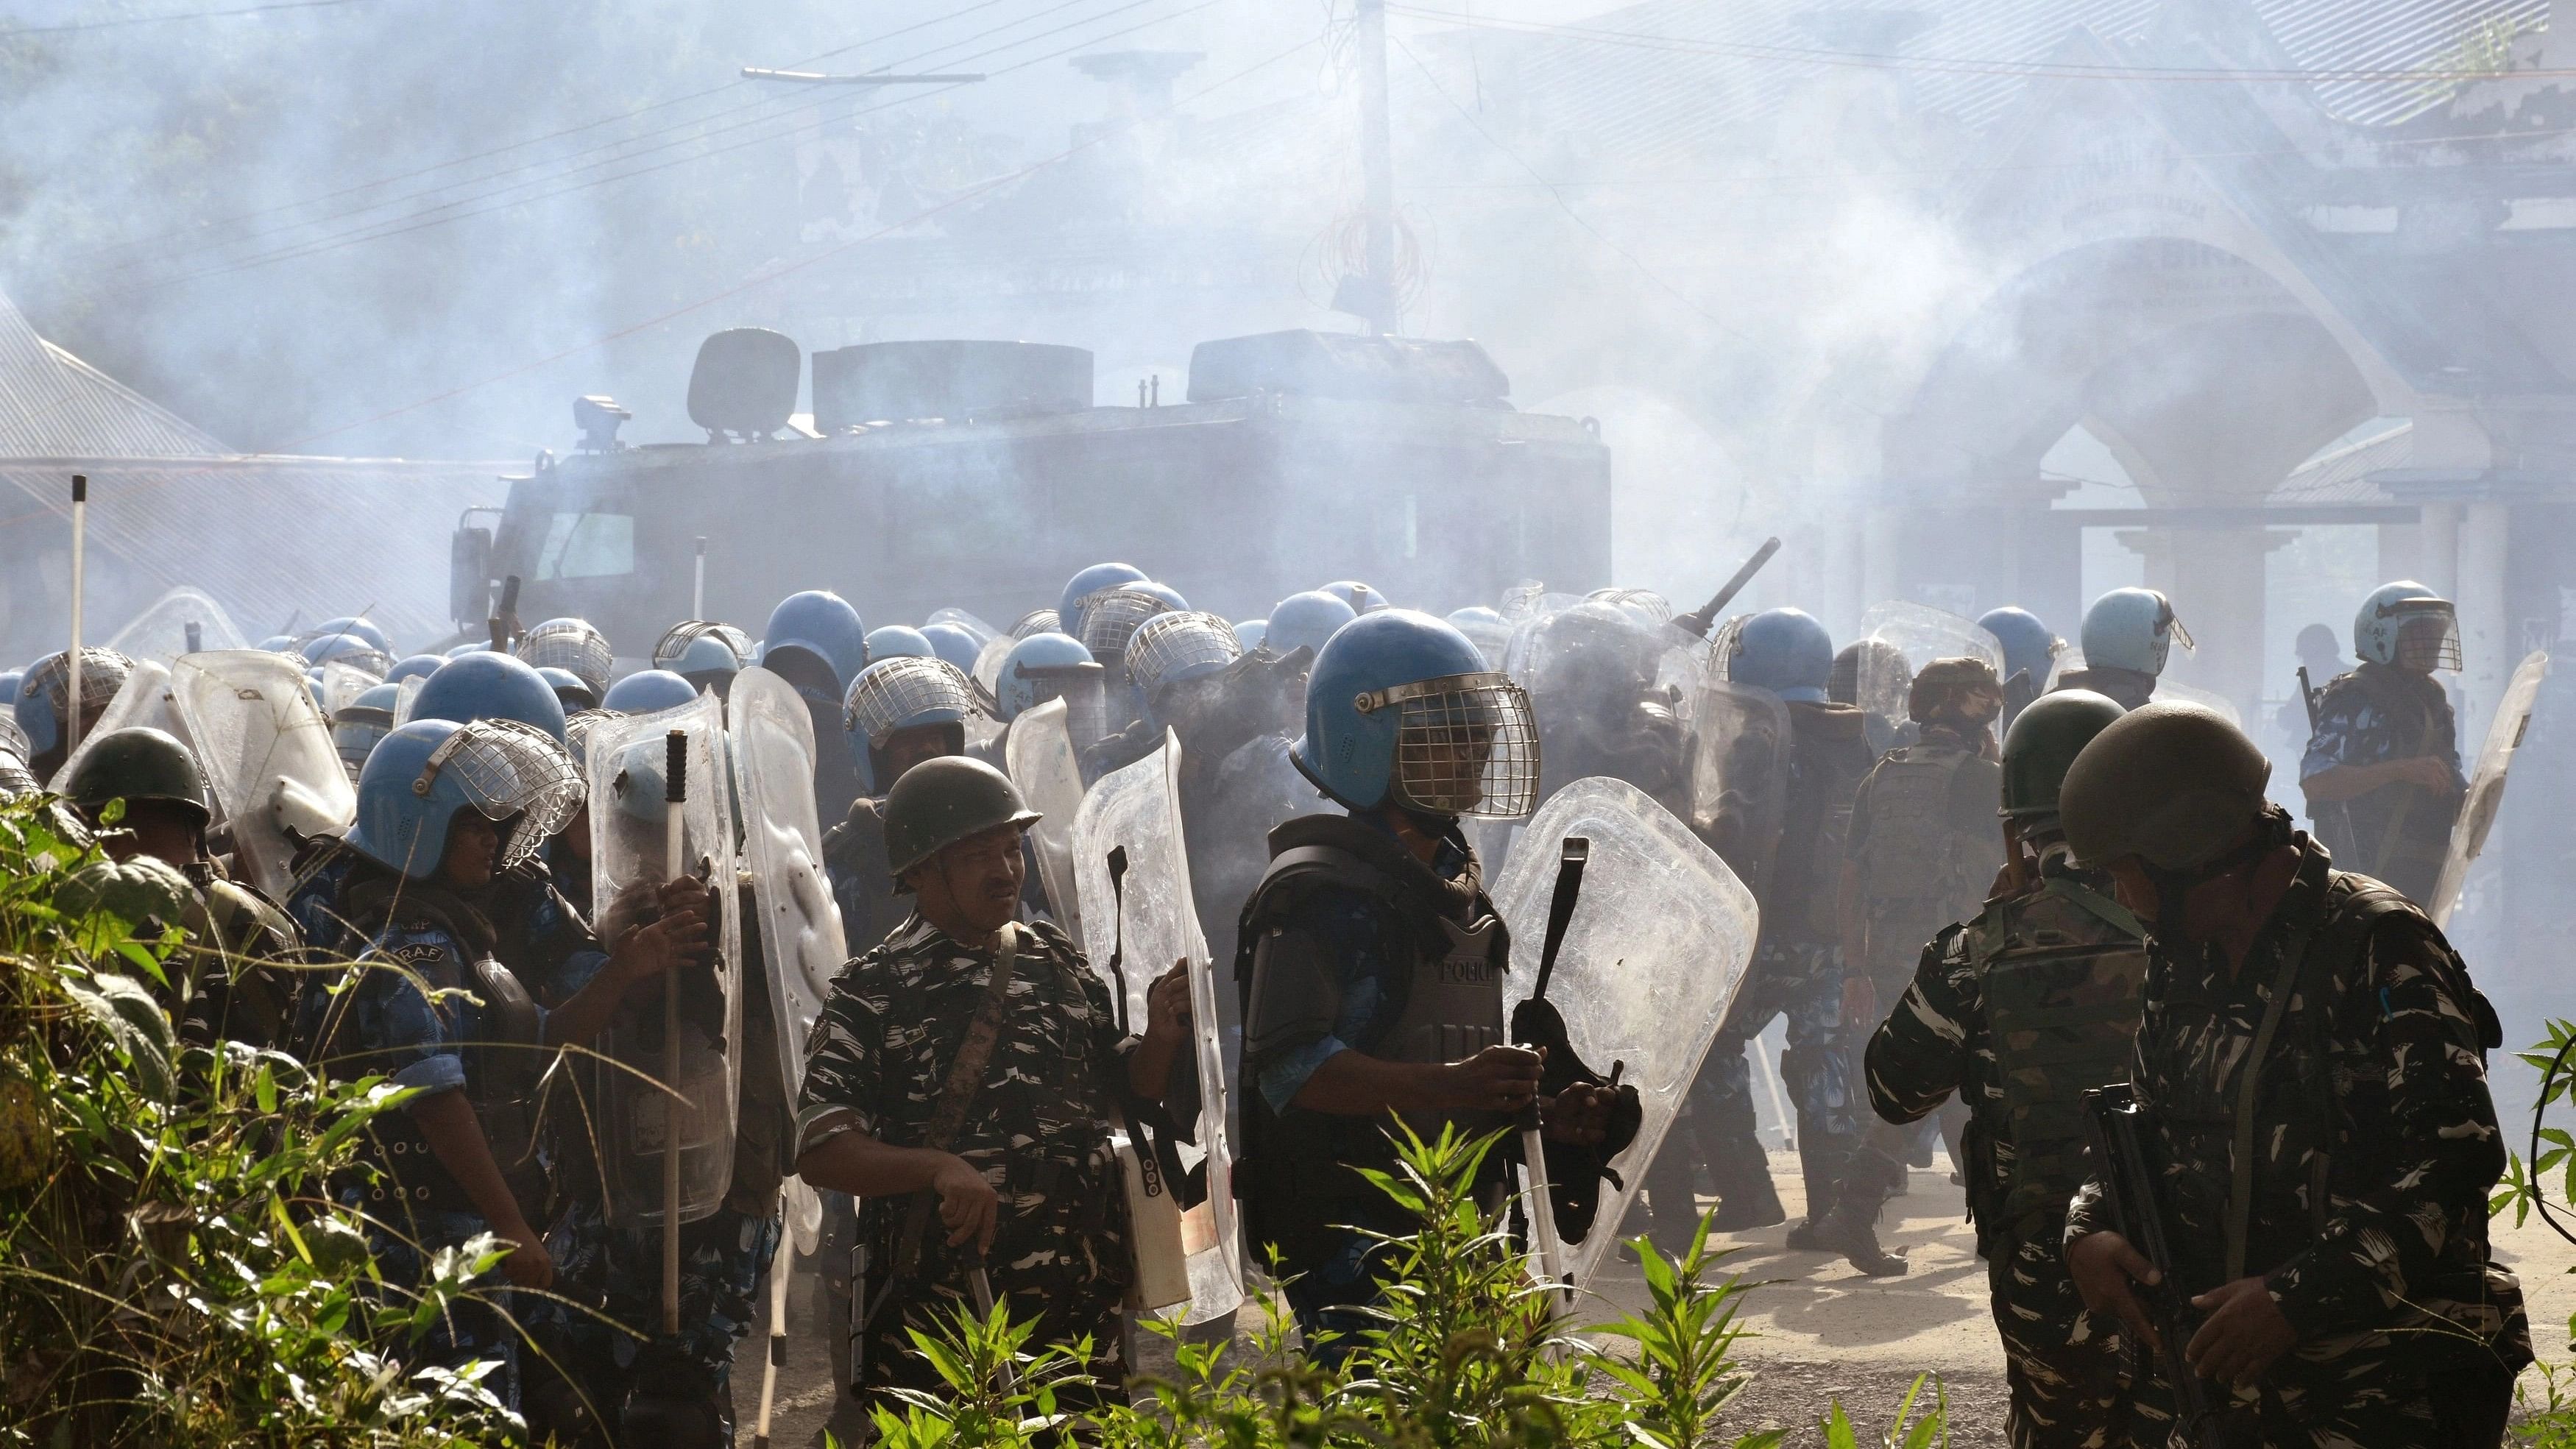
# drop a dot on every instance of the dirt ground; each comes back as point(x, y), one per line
point(1820, 1331)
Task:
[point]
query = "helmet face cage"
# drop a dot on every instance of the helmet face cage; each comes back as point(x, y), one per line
point(103, 673)
point(1465, 744)
point(580, 727)
point(1111, 618)
point(676, 641)
point(570, 645)
point(506, 769)
point(1180, 645)
point(2394, 618)
point(13, 740)
point(1036, 621)
point(900, 691)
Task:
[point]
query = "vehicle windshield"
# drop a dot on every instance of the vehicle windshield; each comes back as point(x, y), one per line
point(587, 545)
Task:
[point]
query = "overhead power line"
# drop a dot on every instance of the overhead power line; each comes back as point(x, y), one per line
point(122, 22)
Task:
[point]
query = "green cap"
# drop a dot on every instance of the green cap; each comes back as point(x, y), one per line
point(2044, 739)
point(139, 764)
point(942, 801)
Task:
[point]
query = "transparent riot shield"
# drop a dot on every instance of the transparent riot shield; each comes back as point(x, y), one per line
point(1137, 922)
point(143, 701)
point(801, 944)
point(1652, 958)
point(1040, 760)
point(639, 1097)
point(407, 694)
point(984, 633)
point(267, 754)
point(182, 621)
point(1917, 634)
point(2486, 783)
point(342, 684)
point(988, 665)
point(1740, 775)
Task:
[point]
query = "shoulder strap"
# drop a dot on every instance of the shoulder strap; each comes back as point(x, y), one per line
point(2094, 903)
point(965, 1079)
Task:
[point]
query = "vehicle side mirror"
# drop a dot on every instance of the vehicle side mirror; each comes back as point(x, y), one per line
point(469, 576)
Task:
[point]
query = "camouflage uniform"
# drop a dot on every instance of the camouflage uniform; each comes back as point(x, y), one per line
point(2398, 833)
point(1038, 1130)
point(2068, 1377)
point(239, 988)
point(854, 860)
point(1797, 972)
point(2374, 1090)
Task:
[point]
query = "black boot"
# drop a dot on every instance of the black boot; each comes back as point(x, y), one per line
point(1849, 1226)
point(1740, 1171)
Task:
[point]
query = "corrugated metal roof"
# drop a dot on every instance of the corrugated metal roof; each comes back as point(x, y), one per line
point(2395, 35)
point(52, 404)
point(267, 537)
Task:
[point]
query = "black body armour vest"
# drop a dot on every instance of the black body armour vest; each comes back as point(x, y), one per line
point(1296, 1176)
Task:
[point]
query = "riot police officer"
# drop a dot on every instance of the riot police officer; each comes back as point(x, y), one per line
point(443, 809)
point(1797, 961)
point(2310, 1065)
point(234, 983)
point(2017, 1012)
point(2030, 651)
point(1371, 965)
point(1590, 671)
point(2382, 769)
point(817, 642)
point(42, 703)
point(901, 710)
point(2127, 636)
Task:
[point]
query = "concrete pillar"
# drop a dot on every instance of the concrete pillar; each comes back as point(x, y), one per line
point(2486, 636)
point(2438, 549)
point(2401, 551)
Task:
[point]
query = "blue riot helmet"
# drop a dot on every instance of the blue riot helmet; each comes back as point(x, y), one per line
point(1170, 596)
point(412, 666)
point(351, 649)
point(1786, 652)
point(1172, 651)
point(1110, 619)
point(1361, 598)
point(955, 643)
point(573, 644)
point(360, 625)
point(276, 644)
point(1305, 621)
point(899, 641)
point(1400, 709)
point(2131, 629)
point(486, 685)
point(1036, 621)
point(471, 646)
point(419, 776)
point(44, 690)
point(2028, 646)
point(361, 722)
point(820, 627)
point(1250, 632)
point(1093, 580)
point(1043, 667)
point(705, 653)
point(571, 689)
point(905, 692)
point(648, 691)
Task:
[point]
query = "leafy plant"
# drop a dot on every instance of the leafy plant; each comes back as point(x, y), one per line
point(172, 1268)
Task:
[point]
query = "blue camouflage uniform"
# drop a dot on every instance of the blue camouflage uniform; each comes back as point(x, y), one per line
point(2399, 832)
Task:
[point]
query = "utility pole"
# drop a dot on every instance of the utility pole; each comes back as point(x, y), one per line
point(1372, 295)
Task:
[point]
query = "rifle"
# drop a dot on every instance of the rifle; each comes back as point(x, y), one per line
point(505, 620)
point(2117, 1127)
point(1696, 622)
point(2308, 694)
point(1537, 1024)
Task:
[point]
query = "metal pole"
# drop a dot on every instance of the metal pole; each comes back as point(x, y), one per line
point(698, 591)
point(782, 1267)
point(1377, 166)
point(72, 660)
point(675, 775)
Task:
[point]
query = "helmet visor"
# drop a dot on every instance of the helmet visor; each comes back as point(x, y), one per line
point(514, 775)
point(576, 647)
point(674, 644)
point(904, 691)
point(2428, 633)
point(1465, 744)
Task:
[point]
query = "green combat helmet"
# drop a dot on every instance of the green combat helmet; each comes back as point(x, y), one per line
point(135, 765)
point(2044, 739)
point(942, 801)
point(2173, 784)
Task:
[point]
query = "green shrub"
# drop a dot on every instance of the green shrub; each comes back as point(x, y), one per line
point(172, 1270)
point(1464, 1353)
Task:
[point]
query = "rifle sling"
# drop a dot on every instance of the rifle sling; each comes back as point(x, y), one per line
point(965, 1079)
point(2240, 1184)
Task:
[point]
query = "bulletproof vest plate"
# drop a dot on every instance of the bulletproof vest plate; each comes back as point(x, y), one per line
point(1453, 1005)
point(1918, 870)
point(2062, 982)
